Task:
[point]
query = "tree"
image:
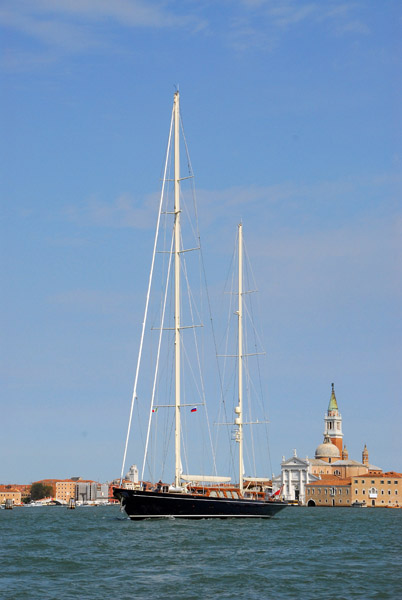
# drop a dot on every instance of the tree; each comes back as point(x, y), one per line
point(39, 491)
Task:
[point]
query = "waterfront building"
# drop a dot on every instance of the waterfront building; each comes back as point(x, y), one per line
point(378, 489)
point(86, 491)
point(9, 492)
point(329, 490)
point(102, 492)
point(65, 490)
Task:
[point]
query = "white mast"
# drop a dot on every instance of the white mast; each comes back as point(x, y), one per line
point(239, 407)
point(177, 237)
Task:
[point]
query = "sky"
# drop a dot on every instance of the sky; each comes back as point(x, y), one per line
point(292, 113)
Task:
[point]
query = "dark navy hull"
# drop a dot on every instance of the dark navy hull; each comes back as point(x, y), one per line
point(159, 505)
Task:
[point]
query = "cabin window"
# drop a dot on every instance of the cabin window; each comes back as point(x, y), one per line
point(235, 495)
point(228, 494)
point(213, 494)
point(221, 494)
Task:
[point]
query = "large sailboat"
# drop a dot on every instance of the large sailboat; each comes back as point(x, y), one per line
point(194, 496)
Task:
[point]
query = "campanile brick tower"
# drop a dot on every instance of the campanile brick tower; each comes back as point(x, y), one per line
point(333, 423)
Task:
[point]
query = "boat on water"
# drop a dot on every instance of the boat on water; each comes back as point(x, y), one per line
point(194, 496)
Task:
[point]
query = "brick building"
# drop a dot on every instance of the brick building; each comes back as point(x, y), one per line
point(378, 489)
point(330, 490)
point(9, 492)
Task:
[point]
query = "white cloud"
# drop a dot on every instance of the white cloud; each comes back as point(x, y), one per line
point(124, 211)
point(76, 25)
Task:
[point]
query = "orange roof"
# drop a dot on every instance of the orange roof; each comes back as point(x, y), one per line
point(327, 479)
point(381, 475)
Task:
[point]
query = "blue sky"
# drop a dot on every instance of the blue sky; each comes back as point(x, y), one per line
point(292, 115)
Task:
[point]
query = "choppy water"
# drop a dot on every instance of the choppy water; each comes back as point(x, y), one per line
point(96, 553)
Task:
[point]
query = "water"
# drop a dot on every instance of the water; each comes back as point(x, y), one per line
point(96, 553)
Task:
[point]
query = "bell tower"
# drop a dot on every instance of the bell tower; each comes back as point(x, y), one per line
point(333, 423)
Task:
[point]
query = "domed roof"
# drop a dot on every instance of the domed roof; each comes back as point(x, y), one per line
point(327, 450)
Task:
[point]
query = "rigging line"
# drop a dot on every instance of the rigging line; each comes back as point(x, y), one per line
point(198, 237)
point(146, 303)
point(201, 392)
point(257, 339)
point(230, 379)
point(158, 355)
point(213, 447)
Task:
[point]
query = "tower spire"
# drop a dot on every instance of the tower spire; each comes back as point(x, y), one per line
point(333, 422)
point(333, 405)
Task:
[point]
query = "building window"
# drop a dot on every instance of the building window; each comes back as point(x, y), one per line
point(337, 472)
point(362, 480)
point(356, 492)
point(389, 483)
point(355, 481)
point(382, 492)
point(363, 491)
point(389, 492)
point(347, 491)
point(382, 481)
point(340, 491)
point(372, 481)
point(396, 483)
point(326, 490)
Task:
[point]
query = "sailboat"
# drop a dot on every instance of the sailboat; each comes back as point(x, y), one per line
point(195, 496)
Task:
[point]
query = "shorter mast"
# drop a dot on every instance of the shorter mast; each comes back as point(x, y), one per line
point(239, 407)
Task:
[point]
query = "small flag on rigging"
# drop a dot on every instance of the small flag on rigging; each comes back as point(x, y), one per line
point(194, 409)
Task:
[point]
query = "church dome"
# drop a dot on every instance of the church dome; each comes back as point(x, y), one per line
point(327, 450)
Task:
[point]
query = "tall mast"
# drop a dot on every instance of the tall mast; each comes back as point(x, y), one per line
point(239, 407)
point(177, 237)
